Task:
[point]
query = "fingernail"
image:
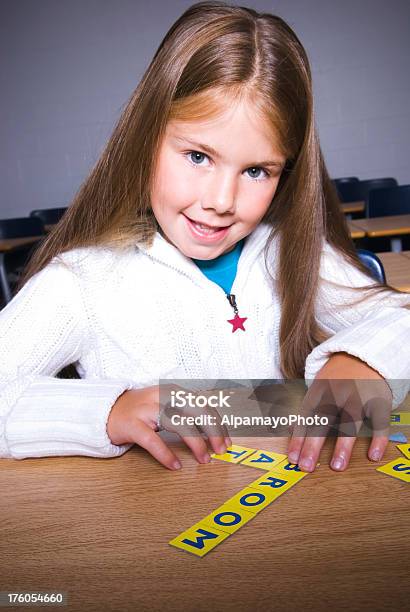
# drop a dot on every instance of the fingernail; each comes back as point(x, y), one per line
point(176, 465)
point(228, 442)
point(222, 449)
point(338, 463)
point(206, 458)
point(293, 457)
point(306, 463)
point(376, 454)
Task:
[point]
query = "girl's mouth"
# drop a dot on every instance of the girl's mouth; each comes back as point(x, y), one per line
point(206, 233)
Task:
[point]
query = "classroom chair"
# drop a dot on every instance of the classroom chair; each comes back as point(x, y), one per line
point(391, 201)
point(348, 191)
point(358, 191)
point(49, 216)
point(373, 263)
point(371, 185)
point(14, 261)
point(386, 202)
point(345, 179)
point(342, 186)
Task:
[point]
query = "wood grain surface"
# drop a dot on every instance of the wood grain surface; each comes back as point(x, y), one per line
point(99, 530)
point(397, 269)
point(392, 225)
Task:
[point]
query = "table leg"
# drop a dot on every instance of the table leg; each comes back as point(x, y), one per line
point(4, 283)
point(396, 245)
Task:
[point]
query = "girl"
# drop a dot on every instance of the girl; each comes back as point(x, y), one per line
point(212, 185)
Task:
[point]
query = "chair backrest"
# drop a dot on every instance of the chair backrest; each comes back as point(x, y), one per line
point(354, 191)
point(392, 201)
point(348, 189)
point(49, 215)
point(345, 179)
point(21, 227)
point(378, 183)
point(373, 263)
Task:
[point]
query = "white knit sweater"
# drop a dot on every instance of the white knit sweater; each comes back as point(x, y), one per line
point(128, 319)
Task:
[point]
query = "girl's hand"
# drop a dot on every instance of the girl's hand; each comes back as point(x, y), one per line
point(133, 419)
point(348, 388)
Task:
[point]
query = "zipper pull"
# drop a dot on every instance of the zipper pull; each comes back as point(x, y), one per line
point(237, 322)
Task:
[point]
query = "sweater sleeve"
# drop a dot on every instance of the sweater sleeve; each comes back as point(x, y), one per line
point(43, 329)
point(375, 327)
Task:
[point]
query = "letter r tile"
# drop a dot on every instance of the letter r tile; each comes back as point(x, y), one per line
point(273, 484)
point(199, 539)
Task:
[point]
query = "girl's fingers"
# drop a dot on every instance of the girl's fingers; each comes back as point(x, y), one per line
point(198, 447)
point(377, 408)
point(353, 400)
point(377, 447)
point(207, 421)
point(310, 452)
point(216, 433)
point(147, 438)
point(194, 440)
point(306, 442)
point(294, 448)
point(219, 444)
point(342, 453)
point(190, 434)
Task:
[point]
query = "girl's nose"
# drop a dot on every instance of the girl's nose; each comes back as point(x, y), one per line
point(221, 196)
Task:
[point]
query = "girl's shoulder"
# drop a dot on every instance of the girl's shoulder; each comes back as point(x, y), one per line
point(336, 267)
point(93, 261)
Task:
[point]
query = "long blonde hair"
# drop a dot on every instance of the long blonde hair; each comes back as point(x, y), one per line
point(216, 52)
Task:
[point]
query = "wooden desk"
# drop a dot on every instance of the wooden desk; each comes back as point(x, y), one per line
point(99, 530)
point(352, 207)
point(393, 225)
point(8, 244)
point(355, 230)
point(397, 269)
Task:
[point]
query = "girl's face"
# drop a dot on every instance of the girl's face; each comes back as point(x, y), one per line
point(215, 181)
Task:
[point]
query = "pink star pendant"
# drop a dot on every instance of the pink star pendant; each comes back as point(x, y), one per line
point(237, 322)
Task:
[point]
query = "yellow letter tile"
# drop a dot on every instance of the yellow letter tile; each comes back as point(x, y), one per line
point(251, 499)
point(235, 454)
point(199, 539)
point(273, 484)
point(290, 470)
point(400, 418)
point(264, 460)
point(229, 517)
point(399, 468)
point(405, 449)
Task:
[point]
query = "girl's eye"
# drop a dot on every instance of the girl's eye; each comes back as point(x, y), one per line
point(258, 168)
point(193, 155)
